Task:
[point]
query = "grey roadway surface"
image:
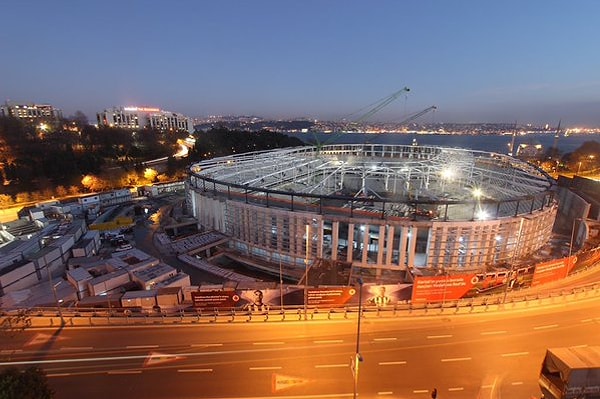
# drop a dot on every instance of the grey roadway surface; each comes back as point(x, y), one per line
point(490, 355)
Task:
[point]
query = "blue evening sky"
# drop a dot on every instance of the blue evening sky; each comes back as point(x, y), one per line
point(532, 61)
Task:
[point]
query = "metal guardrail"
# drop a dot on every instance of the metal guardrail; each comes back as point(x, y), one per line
point(50, 317)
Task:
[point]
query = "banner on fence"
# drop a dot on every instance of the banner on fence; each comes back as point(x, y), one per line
point(442, 288)
point(547, 272)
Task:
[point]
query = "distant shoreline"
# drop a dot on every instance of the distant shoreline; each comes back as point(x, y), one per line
point(477, 142)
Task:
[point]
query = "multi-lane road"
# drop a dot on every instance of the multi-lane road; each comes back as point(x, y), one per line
point(491, 355)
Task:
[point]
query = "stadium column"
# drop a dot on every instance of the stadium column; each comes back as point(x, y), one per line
point(389, 242)
point(412, 245)
point(335, 238)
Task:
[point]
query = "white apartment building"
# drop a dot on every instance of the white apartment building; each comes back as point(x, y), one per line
point(31, 112)
point(144, 117)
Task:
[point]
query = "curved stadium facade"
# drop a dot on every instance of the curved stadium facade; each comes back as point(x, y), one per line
point(377, 208)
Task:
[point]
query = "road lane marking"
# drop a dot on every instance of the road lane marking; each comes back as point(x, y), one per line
point(76, 348)
point(391, 363)
point(269, 343)
point(265, 368)
point(456, 359)
point(385, 393)
point(385, 339)
point(9, 351)
point(194, 370)
point(517, 383)
point(456, 389)
point(329, 341)
point(421, 391)
point(329, 366)
point(586, 320)
point(493, 332)
point(125, 372)
point(439, 336)
point(515, 354)
point(487, 386)
point(58, 375)
point(204, 345)
point(545, 327)
point(141, 346)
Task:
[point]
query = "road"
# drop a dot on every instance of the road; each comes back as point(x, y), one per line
point(492, 355)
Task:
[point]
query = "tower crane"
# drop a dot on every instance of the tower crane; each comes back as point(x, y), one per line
point(375, 107)
point(414, 116)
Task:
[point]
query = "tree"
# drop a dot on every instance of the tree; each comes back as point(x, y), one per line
point(61, 191)
point(5, 200)
point(23, 197)
point(32, 383)
point(80, 119)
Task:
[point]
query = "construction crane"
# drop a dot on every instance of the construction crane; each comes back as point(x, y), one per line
point(375, 107)
point(378, 105)
point(414, 116)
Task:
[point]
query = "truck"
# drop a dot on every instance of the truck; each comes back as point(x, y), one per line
point(571, 373)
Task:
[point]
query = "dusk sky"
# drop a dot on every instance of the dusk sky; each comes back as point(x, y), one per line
point(534, 61)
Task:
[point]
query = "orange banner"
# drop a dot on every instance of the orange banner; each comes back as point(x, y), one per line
point(442, 288)
point(553, 270)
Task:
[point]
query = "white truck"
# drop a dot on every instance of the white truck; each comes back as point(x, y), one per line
point(571, 373)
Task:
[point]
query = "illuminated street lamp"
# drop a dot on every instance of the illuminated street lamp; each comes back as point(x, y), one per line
point(357, 357)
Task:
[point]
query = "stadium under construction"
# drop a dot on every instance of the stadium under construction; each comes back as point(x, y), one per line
point(375, 209)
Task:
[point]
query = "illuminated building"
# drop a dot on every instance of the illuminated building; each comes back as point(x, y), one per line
point(377, 207)
point(31, 112)
point(144, 117)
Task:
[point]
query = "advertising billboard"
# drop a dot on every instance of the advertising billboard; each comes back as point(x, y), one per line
point(442, 288)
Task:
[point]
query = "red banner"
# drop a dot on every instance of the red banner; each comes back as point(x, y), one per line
point(442, 288)
point(334, 296)
point(215, 299)
point(553, 270)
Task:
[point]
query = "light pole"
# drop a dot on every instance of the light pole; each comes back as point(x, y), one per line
point(62, 320)
point(280, 284)
point(53, 286)
point(306, 271)
point(571, 244)
point(512, 262)
point(357, 357)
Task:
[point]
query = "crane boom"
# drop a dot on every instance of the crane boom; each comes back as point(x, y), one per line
point(378, 105)
point(381, 104)
point(411, 118)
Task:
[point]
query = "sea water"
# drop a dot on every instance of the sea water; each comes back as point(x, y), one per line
point(490, 143)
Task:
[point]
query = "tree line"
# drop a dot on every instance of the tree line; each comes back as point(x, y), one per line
point(73, 157)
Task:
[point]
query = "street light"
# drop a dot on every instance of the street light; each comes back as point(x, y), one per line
point(62, 320)
point(280, 284)
point(357, 357)
point(306, 271)
point(512, 262)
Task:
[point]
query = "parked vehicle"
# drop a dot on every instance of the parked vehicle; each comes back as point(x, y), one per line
point(571, 373)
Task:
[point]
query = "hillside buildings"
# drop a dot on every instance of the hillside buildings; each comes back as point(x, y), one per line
point(144, 117)
point(32, 113)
